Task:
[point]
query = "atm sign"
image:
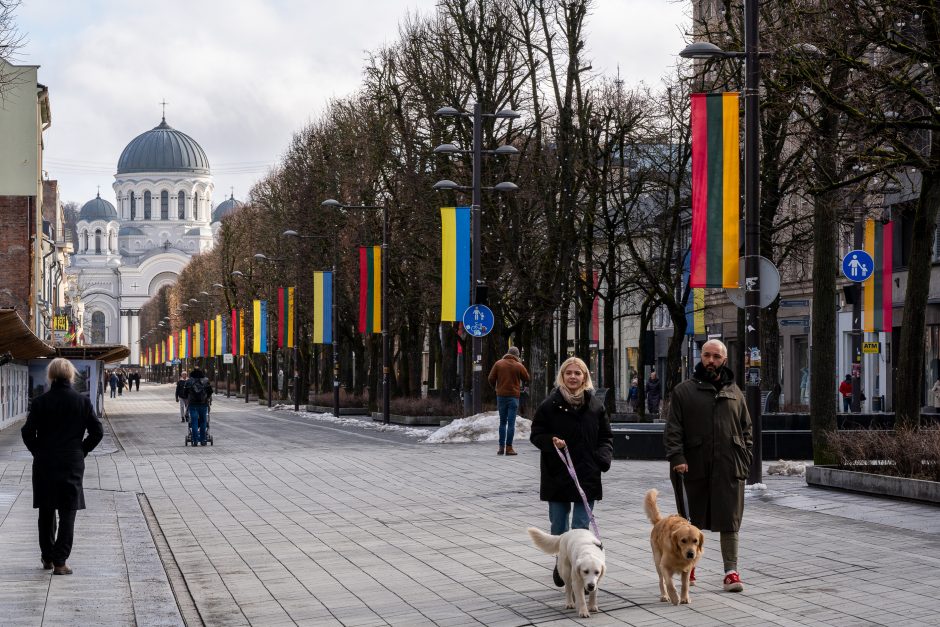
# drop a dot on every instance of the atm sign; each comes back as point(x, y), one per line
point(871, 347)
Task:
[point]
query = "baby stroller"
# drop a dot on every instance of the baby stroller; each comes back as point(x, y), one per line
point(189, 431)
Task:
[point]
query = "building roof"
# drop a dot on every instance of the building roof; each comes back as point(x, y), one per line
point(108, 353)
point(129, 230)
point(97, 209)
point(18, 340)
point(163, 149)
point(226, 208)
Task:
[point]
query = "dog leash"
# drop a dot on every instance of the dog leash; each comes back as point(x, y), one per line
point(566, 458)
point(685, 496)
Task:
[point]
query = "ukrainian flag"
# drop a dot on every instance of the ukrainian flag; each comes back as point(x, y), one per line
point(455, 262)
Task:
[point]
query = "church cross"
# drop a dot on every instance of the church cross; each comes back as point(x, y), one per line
point(134, 285)
point(164, 103)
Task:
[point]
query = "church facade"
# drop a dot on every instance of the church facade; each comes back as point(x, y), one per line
point(127, 251)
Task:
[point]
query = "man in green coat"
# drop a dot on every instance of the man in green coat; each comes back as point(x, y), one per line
point(708, 443)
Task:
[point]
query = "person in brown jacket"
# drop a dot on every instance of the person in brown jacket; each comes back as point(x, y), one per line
point(507, 376)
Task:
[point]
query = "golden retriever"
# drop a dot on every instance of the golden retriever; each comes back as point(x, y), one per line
point(677, 548)
point(581, 565)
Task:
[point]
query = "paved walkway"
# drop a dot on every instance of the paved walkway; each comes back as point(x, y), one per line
point(289, 520)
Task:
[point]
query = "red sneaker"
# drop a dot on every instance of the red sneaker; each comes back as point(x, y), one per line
point(692, 577)
point(733, 583)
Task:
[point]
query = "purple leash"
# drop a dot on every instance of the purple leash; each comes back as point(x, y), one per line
point(566, 458)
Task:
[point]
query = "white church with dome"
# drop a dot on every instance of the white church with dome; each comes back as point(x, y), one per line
point(127, 251)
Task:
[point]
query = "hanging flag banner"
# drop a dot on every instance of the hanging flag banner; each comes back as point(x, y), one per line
point(197, 340)
point(211, 337)
point(695, 305)
point(260, 325)
point(219, 335)
point(455, 262)
point(322, 307)
point(242, 347)
point(877, 304)
point(370, 289)
point(285, 317)
point(172, 347)
point(234, 332)
point(716, 189)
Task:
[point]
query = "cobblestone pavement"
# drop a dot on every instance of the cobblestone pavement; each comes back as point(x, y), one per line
point(289, 520)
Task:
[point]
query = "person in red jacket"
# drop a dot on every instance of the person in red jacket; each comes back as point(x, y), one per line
point(845, 389)
point(507, 376)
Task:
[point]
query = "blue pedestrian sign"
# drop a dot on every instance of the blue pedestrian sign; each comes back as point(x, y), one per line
point(857, 265)
point(478, 320)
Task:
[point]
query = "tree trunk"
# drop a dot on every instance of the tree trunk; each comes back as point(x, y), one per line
point(770, 350)
point(822, 388)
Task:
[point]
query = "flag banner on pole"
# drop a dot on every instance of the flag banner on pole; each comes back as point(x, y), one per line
point(322, 307)
point(695, 305)
point(184, 344)
point(205, 339)
point(172, 347)
point(285, 317)
point(455, 262)
point(224, 346)
point(879, 243)
point(716, 189)
point(219, 335)
point(234, 332)
point(212, 334)
point(197, 341)
point(242, 349)
point(370, 289)
point(260, 326)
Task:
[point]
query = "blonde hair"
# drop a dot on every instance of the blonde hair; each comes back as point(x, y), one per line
point(60, 369)
point(574, 361)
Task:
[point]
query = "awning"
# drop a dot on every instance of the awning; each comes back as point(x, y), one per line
point(108, 353)
point(18, 340)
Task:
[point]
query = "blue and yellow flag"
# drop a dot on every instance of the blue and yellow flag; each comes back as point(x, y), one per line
point(322, 307)
point(260, 326)
point(455, 262)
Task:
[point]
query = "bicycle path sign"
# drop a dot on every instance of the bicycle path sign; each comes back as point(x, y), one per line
point(857, 265)
point(478, 320)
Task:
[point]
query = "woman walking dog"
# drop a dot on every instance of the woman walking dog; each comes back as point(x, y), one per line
point(571, 417)
point(55, 434)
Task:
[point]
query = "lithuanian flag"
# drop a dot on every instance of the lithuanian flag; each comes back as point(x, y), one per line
point(715, 190)
point(370, 289)
point(879, 243)
point(455, 262)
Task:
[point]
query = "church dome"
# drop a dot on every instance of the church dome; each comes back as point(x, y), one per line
point(163, 149)
point(97, 209)
point(226, 208)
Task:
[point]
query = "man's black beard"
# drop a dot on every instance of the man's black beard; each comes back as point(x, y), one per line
point(711, 374)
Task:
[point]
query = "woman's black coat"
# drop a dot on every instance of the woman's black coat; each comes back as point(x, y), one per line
point(53, 433)
point(586, 431)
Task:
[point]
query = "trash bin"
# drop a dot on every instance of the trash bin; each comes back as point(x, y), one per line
point(877, 404)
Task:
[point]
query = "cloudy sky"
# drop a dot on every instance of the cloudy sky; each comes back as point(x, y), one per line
point(241, 76)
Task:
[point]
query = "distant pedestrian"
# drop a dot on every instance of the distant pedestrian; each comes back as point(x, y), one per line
point(122, 381)
point(113, 382)
point(708, 443)
point(137, 381)
point(507, 376)
point(198, 390)
point(55, 434)
point(845, 389)
point(633, 395)
point(572, 417)
point(181, 396)
point(654, 393)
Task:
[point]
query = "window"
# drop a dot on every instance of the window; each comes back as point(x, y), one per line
point(164, 205)
point(133, 206)
point(85, 235)
point(196, 206)
point(97, 328)
point(97, 241)
point(111, 241)
point(146, 205)
point(181, 206)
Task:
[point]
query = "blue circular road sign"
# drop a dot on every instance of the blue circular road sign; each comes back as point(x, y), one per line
point(478, 320)
point(857, 265)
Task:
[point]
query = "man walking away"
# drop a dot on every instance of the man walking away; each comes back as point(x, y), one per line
point(181, 396)
point(507, 376)
point(113, 382)
point(198, 391)
point(137, 381)
point(708, 443)
point(845, 389)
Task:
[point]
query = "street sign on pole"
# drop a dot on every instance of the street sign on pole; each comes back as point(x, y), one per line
point(769, 284)
point(857, 265)
point(478, 320)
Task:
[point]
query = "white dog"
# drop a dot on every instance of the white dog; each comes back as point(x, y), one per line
point(580, 564)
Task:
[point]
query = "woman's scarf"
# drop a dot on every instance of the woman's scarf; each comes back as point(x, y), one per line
point(575, 400)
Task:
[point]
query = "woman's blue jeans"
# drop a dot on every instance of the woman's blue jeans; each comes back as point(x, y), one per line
point(559, 512)
point(507, 407)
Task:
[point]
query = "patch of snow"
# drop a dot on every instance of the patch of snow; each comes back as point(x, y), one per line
point(787, 468)
point(755, 487)
point(364, 423)
point(477, 428)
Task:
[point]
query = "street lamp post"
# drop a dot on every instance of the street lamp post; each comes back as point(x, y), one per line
point(386, 352)
point(752, 331)
point(476, 188)
point(273, 261)
point(239, 274)
point(335, 342)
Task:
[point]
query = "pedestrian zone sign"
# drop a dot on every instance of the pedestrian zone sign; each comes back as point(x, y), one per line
point(478, 320)
point(857, 265)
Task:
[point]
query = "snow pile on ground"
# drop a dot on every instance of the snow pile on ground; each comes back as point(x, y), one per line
point(362, 422)
point(786, 468)
point(755, 487)
point(478, 428)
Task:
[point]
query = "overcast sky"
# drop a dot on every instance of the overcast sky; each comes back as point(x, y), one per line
point(241, 76)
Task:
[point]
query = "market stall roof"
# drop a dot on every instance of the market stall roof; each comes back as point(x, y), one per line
point(108, 353)
point(18, 340)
